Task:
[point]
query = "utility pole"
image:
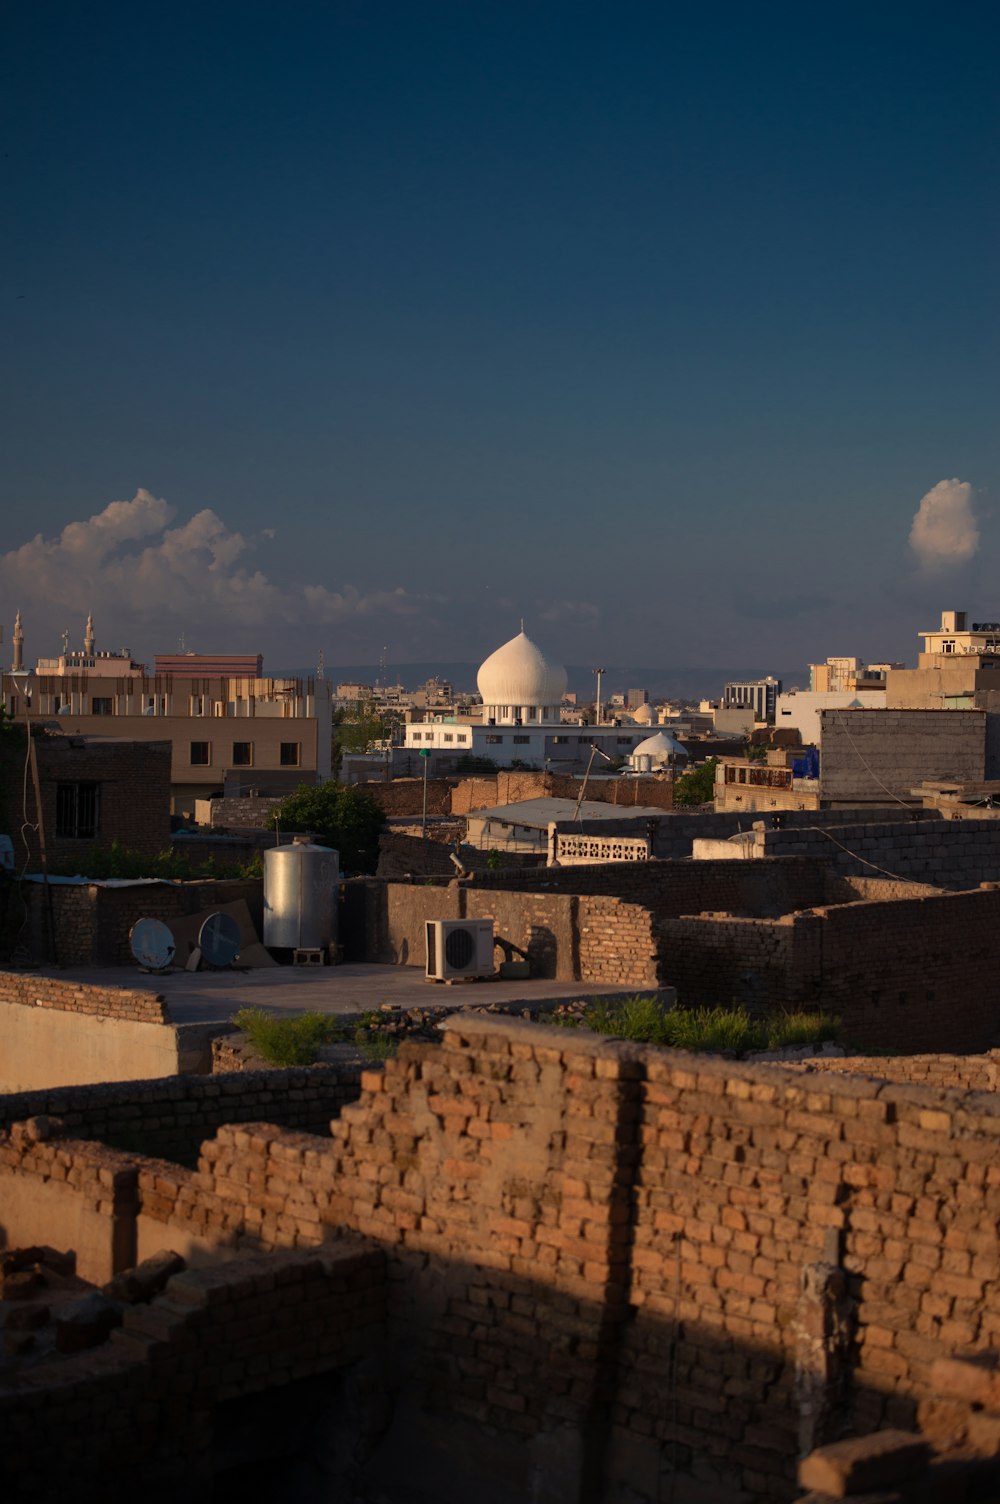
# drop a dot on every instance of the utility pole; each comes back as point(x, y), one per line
point(598, 672)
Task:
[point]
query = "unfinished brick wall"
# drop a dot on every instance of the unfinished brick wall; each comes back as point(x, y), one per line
point(945, 853)
point(170, 1118)
point(613, 1256)
point(142, 1004)
point(963, 1072)
point(915, 973)
point(140, 1416)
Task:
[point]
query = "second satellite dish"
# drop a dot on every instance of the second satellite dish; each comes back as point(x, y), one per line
point(219, 940)
point(151, 944)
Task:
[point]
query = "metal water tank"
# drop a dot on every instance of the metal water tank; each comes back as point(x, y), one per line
point(300, 895)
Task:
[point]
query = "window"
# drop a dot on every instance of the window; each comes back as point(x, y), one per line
point(101, 705)
point(77, 807)
point(449, 736)
point(494, 740)
point(201, 754)
point(242, 754)
point(523, 740)
point(558, 740)
point(624, 741)
point(290, 754)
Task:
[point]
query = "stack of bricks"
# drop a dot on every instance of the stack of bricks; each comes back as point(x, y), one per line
point(140, 1004)
point(214, 1335)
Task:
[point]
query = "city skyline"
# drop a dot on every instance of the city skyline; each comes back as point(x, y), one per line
point(348, 330)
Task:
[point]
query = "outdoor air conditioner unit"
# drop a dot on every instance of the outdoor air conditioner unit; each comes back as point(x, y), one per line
point(459, 948)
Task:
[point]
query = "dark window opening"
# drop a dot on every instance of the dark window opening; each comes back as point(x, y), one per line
point(77, 807)
point(242, 754)
point(289, 754)
point(101, 705)
point(201, 754)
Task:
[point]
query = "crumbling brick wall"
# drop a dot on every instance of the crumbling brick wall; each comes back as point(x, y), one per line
point(142, 1004)
point(612, 1256)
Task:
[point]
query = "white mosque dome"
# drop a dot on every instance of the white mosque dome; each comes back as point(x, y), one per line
point(660, 748)
point(644, 715)
point(520, 674)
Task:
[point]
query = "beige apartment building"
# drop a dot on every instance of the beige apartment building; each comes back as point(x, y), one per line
point(228, 733)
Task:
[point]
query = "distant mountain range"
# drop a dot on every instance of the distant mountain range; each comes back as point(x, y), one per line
point(675, 683)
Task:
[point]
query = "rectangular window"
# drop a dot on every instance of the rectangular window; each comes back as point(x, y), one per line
point(522, 740)
point(624, 741)
point(290, 754)
point(77, 806)
point(242, 754)
point(201, 754)
point(449, 736)
point(494, 741)
point(102, 705)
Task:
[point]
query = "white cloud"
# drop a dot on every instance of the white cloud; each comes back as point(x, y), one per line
point(128, 563)
point(944, 531)
point(578, 613)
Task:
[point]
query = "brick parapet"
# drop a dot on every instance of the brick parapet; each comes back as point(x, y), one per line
point(31, 990)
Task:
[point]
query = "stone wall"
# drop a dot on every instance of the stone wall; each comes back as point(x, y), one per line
point(619, 1262)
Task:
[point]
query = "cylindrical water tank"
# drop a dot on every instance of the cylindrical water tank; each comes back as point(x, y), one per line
point(300, 895)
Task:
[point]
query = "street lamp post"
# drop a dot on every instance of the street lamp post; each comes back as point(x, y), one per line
point(598, 672)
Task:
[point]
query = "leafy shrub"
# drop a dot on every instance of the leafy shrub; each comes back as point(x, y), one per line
point(286, 1041)
point(338, 815)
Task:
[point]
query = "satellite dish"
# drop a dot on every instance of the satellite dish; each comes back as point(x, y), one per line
point(219, 940)
point(152, 944)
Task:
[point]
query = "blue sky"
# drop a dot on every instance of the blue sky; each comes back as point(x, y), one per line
point(393, 323)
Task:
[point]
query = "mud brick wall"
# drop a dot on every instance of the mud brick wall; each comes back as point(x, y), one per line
point(248, 811)
point(963, 1072)
point(405, 796)
point(32, 991)
point(222, 1334)
point(170, 1118)
point(618, 943)
point(675, 834)
point(756, 963)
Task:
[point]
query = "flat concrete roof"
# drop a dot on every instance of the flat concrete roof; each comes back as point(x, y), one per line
point(197, 997)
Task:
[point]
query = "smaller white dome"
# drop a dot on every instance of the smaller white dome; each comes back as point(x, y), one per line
point(644, 715)
point(660, 748)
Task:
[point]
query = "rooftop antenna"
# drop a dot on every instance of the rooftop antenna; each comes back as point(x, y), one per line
point(321, 666)
point(65, 641)
point(182, 643)
point(381, 666)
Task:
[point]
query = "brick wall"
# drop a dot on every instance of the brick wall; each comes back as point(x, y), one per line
point(600, 1251)
point(133, 800)
point(488, 790)
point(139, 1003)
point(611, 1259)
point(962, 1072)
point(92, 922)
point(142, 1415)
point(913, 973)
point(169, 1118)
point(247, 810)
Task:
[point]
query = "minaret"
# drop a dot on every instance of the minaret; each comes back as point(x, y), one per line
point(88, 635)
point(18, 641)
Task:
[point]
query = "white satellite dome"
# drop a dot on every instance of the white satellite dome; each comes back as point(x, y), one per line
point(659, 749)
point(519, 674)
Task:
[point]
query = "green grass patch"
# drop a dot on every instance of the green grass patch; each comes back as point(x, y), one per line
point(644, 1020)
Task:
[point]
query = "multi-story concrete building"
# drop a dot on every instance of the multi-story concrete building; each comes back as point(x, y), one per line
point(227, 733)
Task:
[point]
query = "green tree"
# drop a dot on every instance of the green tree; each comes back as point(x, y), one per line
point(696, 787)
point(339, 816)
